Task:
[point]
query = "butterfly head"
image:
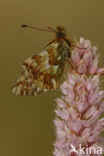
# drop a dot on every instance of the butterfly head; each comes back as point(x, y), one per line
point(60, 32)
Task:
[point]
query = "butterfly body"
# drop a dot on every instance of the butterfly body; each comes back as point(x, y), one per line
point(43, 72)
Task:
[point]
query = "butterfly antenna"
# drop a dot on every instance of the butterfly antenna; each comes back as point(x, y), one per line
point(48, 30)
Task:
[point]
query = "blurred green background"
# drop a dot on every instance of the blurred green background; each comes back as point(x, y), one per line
point(26, 123)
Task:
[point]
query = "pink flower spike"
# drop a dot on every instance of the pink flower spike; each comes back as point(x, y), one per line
point(78, 113)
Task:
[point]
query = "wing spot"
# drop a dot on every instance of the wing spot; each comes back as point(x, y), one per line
point(37, 58)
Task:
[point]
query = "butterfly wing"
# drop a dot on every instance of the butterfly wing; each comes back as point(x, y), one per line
point(41, 72)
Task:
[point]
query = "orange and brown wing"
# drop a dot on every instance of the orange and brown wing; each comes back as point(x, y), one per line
point(40, 73)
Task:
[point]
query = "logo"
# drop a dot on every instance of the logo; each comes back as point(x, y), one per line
point(86, 150)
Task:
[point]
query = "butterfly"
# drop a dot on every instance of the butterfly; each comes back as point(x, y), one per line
point(43, 72)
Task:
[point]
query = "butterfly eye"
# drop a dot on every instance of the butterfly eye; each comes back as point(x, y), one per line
point(60, 35)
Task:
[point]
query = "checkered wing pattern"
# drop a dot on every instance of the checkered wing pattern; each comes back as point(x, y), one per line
point(41, 72)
